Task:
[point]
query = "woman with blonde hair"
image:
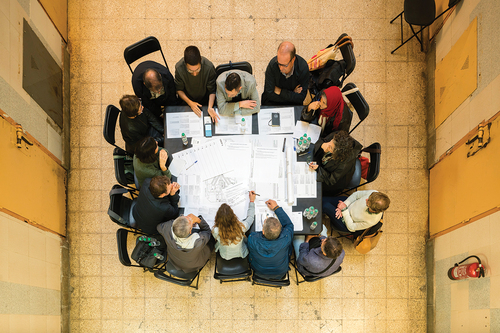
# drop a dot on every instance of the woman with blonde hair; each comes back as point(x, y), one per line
point(229, 232)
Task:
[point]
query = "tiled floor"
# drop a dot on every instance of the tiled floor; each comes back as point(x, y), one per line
point(382, 291)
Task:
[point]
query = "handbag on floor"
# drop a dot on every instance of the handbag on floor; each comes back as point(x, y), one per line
point(365, 243)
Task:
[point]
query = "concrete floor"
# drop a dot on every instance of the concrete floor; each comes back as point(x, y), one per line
point(383, 291)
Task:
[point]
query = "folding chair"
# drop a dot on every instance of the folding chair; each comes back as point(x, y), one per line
point(178, 276)
point(358, 102)
point(124, 169)
point(123, 255)
point(109, 129)
point(283, 282)
point(306, 278)
point(346, 48)
point(120, 207)
point(421, 13)
point(140, 49)
point(373, 170)
point(242, 65)
point(236, 269)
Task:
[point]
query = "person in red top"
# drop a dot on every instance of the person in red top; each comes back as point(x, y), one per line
point(330, 112)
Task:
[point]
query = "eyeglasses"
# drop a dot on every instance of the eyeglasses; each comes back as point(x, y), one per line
point(281, 65)
point(190, 71)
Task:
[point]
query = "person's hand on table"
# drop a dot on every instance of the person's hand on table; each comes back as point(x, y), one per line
point(313, 106)
point(163, 159)
point(341, 205)
point(313, 166)
point(252, 195)
point(196, 107)
point(277, 90)
point(248, 104)
point(193, 219)
point(271, 204)
point(298, 89)
point(215, 117)
point(175, 188)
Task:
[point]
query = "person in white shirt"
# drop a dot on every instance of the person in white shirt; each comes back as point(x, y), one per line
point(360, 211)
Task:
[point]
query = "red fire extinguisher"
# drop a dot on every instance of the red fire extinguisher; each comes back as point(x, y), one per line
point(474, 270)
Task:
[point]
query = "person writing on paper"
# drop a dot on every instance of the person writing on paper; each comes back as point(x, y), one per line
point(335, 161)
point(157, 202)
point(270, 249)
point(318, 255)
point(237, 93)
point(150, 160)
point(360, 211)
point(229, 232)
point(195, 81)
point(330, 112)
point(188, 249)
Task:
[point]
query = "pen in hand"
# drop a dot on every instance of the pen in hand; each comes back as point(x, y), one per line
point(255, 193)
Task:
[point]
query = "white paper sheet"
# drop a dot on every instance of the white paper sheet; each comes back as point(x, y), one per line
point(312, 131)
point(206, 160)
point(262, 213)
point(232, 125)
point(304, 181)
point(177, 166)
point(287, 121)
point(184, 122)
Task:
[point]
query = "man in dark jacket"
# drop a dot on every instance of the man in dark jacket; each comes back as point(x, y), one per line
point(287, 78)
point(186, 250)
point(157, 203)
point(318, 255)
point(154, 85)
point(137, 122)
point(270, 250)
point(335, 161)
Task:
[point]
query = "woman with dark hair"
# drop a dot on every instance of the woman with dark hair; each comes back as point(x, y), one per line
point(150, 160)
point(229, 232)
point(330, 112)
point(335, 160)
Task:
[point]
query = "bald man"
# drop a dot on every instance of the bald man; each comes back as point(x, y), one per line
point(154, 85)
point(287, 78)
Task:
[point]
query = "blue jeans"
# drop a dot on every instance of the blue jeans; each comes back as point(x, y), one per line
point(297, 240)
point(329, 207)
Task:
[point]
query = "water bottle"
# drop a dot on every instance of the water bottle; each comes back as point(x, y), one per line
point(306, 213)
point(311, 212)
point(184, 139)
point(313, 225)
point(159, 256)
point(301, 147)
point(243, 125)
point(308, 142)
point(315, 213)
point(144, 239)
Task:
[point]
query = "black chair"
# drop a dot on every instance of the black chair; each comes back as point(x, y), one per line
point(124, 169)
point(236, 269)
point(258, 280)
point(123, 255)
point(373, 170)
point(140, 49)
point(421, 13)
point(242, 65)
point(347, 54)
point(120, 207)
point(306, 278)
point(111, 117)
point(358, 102)
point(178, 277)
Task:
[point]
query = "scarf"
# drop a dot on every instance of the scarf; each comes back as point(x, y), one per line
point(334, 108)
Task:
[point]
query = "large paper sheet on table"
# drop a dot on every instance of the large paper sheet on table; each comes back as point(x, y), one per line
point(232, 125)
point(184, 122)
point(207, 159)
point(312, 131)
point(287, 121)
point(304, 181)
